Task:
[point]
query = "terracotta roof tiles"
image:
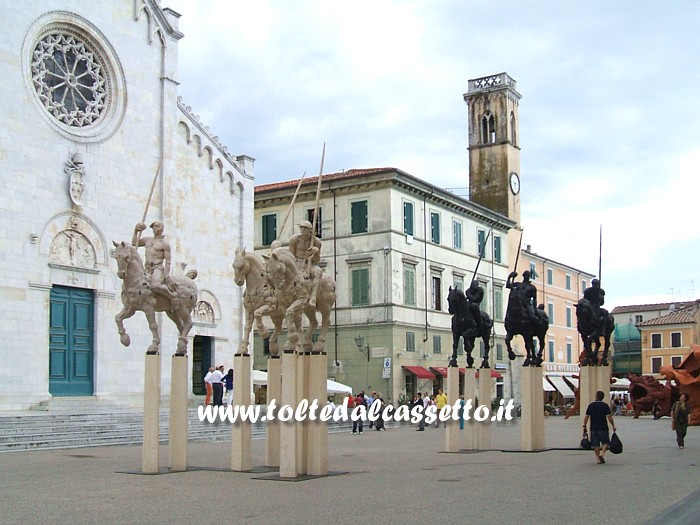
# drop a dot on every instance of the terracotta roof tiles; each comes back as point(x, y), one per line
point(680, 316)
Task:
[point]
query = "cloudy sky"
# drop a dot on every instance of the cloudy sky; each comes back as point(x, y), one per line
point(609, 118)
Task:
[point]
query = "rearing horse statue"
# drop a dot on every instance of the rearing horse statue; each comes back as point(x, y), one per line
point(137, 296)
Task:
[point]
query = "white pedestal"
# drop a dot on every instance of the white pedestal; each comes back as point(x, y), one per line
point(483, 428)
point(469, 431)
point(532, 409)
point(452, 433)
point(303, 427)
point(241, 443)
point(150, 452)
point(178, 414)
point(317, 444)
point(592, 379)
point(272, 428)
point(288, 430)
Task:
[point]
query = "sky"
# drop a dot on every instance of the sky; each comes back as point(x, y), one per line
point(609, 118)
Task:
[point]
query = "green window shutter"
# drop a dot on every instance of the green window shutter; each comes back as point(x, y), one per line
point(360, 287)
point(481, 238)
point(435, 227)
point(498, 304)
point(408, 218)
point(497, 249)
point(269, 229)
point(358, 219)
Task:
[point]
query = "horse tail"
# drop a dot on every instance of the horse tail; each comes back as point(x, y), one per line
point(192, 274)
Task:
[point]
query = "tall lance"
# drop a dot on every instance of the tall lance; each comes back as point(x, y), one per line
point(315, 220)
point(481, 254)
point(600, 255)
point(148, 202)
point(291, 205)
point(517, 254)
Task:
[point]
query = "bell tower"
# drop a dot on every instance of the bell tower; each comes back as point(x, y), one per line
point(494, 148)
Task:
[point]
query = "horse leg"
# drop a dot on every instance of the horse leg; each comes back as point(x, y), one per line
point(606, 348)
point(486, 337)
point(511, 354)
point(468, 348)
point(126, 312)
point(313, 324)
point(528, 350)
point(153, 325)
point(455, 345)
point(184, 325)
point(325, 324)
point(277, 320)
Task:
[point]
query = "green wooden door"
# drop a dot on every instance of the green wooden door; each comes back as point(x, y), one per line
point(201, 361)
point(70, 342)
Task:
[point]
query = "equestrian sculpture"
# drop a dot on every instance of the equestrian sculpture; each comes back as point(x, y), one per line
point(522, 318)
point(594, 323)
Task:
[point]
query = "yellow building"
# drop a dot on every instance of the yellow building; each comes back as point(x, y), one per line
point(666, 339)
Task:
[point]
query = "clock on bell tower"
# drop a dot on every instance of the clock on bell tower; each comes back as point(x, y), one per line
point(494, 151)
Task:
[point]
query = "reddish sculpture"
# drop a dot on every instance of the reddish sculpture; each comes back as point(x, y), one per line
point(648, 395)
point(687, 377)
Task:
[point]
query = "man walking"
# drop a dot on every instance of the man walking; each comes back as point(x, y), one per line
point(217, 385)
point(599, 414)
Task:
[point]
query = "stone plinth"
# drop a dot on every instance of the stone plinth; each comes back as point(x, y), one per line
point(469, 439)
point(178, 413)
point(272, 428)
point(288, 430)
point(483, 428)
point(317, 438)
point(150, 452)
point(532, 409)
point(592, 379)
point(241, 441)
point(453, 441)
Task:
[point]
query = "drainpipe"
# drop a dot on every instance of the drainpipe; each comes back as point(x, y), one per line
point(425, 261)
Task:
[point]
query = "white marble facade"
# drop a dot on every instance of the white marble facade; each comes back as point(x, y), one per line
point(89, 113)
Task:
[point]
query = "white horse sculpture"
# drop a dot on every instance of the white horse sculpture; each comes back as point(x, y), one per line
point(293, 286)
point(258, 299)
point(137, 296)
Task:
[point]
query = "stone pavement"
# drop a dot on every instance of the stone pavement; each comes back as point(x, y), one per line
point(397, 476)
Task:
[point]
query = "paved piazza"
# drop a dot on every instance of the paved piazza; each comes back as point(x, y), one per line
point(398, 476)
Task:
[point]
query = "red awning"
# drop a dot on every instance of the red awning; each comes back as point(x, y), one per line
point(494, 374)
point(421, 372)
point(442, 370)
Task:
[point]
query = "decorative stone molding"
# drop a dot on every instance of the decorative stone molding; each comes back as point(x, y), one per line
point(71, 239)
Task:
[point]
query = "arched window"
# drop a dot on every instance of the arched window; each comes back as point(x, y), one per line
point(488, 129)
point(512, 129)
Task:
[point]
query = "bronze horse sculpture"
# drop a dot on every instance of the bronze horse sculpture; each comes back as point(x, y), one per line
point(137, 296)
point(591, 327)
point(522, 319)
point(466, 327)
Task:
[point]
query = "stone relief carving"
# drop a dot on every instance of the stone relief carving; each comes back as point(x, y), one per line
point(72, 248)
point(75, 169)
point(204, 313)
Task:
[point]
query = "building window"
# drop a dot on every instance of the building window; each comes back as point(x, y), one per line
point(499, 351)
point(656, 340)
point(638, 319)
point(569, 351)
point(533, 271)
point(551, 351)
point(568, 317)
point(550, 276)
point(676, 340)
point(496, 249)
point(409, 286)
point(410, 342)
point(360, 286)
point(266, 346)
point(568, 282)
point(435, 227)
point(459, 282)
point(310, 217)
point(488, 129)
point(437, 344)
point(408, 218)
point(498, 304)
point(584, 284)
point(481, 243)
point(656, 363)
point(437, 293)
point(482, 348)
point(550, 313)
point(460, 347)
point(512, 129)
point(457, 235)
point(269, 229)
point(676, 361)
point(358, 217)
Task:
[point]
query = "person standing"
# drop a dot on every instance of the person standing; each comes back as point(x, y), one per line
point(207, 386)
point(359, 423)
point(217, 385)
point(599, 413)
point(461, 412)
point(679, 419)
point(369, 401)
point(440, 402)
point(228, 383)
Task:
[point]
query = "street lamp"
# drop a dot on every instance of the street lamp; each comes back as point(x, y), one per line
point(360, 342)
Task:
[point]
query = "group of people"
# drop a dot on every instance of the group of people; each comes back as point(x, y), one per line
point(439, 401)
point(367, 401)
point(215, 382)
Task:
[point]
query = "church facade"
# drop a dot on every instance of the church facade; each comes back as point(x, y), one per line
point(93, 139)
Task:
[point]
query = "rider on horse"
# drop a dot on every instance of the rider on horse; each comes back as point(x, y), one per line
point(526, 295)
point(595, 295)
point(157, 265)
point(475, 294)
point(307, 250)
